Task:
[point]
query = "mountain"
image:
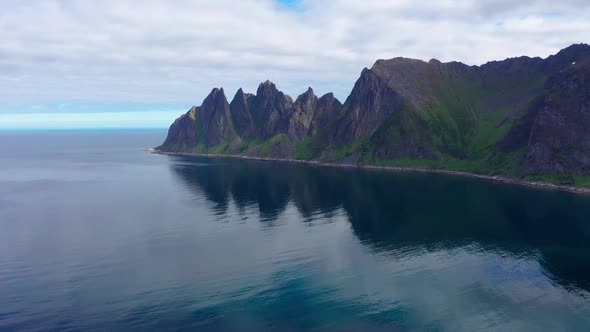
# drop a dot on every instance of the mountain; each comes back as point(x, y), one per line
point(520, 117)
point(554, 133)
point(310, 113)
point(241, 117)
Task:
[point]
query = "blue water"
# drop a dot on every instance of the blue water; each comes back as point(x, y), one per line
point(97, 234)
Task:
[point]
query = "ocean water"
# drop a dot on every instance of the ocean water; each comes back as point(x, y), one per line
point(97, 234)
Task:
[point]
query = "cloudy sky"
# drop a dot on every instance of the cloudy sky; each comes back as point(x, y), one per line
point(159, 57)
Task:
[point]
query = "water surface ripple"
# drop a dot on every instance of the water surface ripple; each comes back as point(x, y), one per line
point(97, 234)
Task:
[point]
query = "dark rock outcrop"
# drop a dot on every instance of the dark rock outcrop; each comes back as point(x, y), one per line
point(370, 103)
point(555, 132)
point(216, 121)
point(241, 116)
point(327, 110)
point(183, 134)
point(270, 110)
point(302, 114)
point(309, 114)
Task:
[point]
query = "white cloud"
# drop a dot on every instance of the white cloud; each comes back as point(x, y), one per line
point(63, 51)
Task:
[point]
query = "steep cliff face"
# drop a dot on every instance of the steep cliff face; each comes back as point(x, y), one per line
point(215, 120)
point(184, 133)
point(310, 114)
point(370, 103)
point(270, 110)
point(517, 117)
point(555, 131)
point(302, 114)
point(241, 116)
point(327, 110)
point(203, 127)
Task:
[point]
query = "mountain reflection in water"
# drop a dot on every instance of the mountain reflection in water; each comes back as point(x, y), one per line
point(391, 212)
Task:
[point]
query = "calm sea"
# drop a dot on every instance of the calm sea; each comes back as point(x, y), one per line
point(97, 234)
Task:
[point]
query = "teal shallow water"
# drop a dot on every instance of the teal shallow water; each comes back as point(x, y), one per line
point(97, 234)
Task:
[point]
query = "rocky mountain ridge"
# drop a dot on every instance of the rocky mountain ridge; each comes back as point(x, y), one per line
point(521, 117)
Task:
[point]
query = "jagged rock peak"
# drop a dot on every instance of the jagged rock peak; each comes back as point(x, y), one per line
point(215, 120)
point(330, 98)
point(240, 95)
point(267, 84)
point(269, 89)
point(329, 95)
point(241, 116)
point(308, 94)
point(265, 88)
point(367, 77)
point(216, 93)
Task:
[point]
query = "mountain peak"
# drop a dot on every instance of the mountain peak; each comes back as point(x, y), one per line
point(307, 94)
point(241, 116)
point(216, 93)
point(240, 95)
point(267, 83)
point(266, 87)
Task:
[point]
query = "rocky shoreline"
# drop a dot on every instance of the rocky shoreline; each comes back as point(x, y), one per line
point(496, 179)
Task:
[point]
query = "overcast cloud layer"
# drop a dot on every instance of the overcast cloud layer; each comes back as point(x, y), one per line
point(149, 51)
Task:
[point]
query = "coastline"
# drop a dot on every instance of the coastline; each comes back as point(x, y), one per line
point(496, 179)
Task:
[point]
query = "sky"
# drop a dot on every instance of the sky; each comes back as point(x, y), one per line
point(141, 63)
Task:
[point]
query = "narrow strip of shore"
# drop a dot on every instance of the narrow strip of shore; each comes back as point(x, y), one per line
point(496, 179)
